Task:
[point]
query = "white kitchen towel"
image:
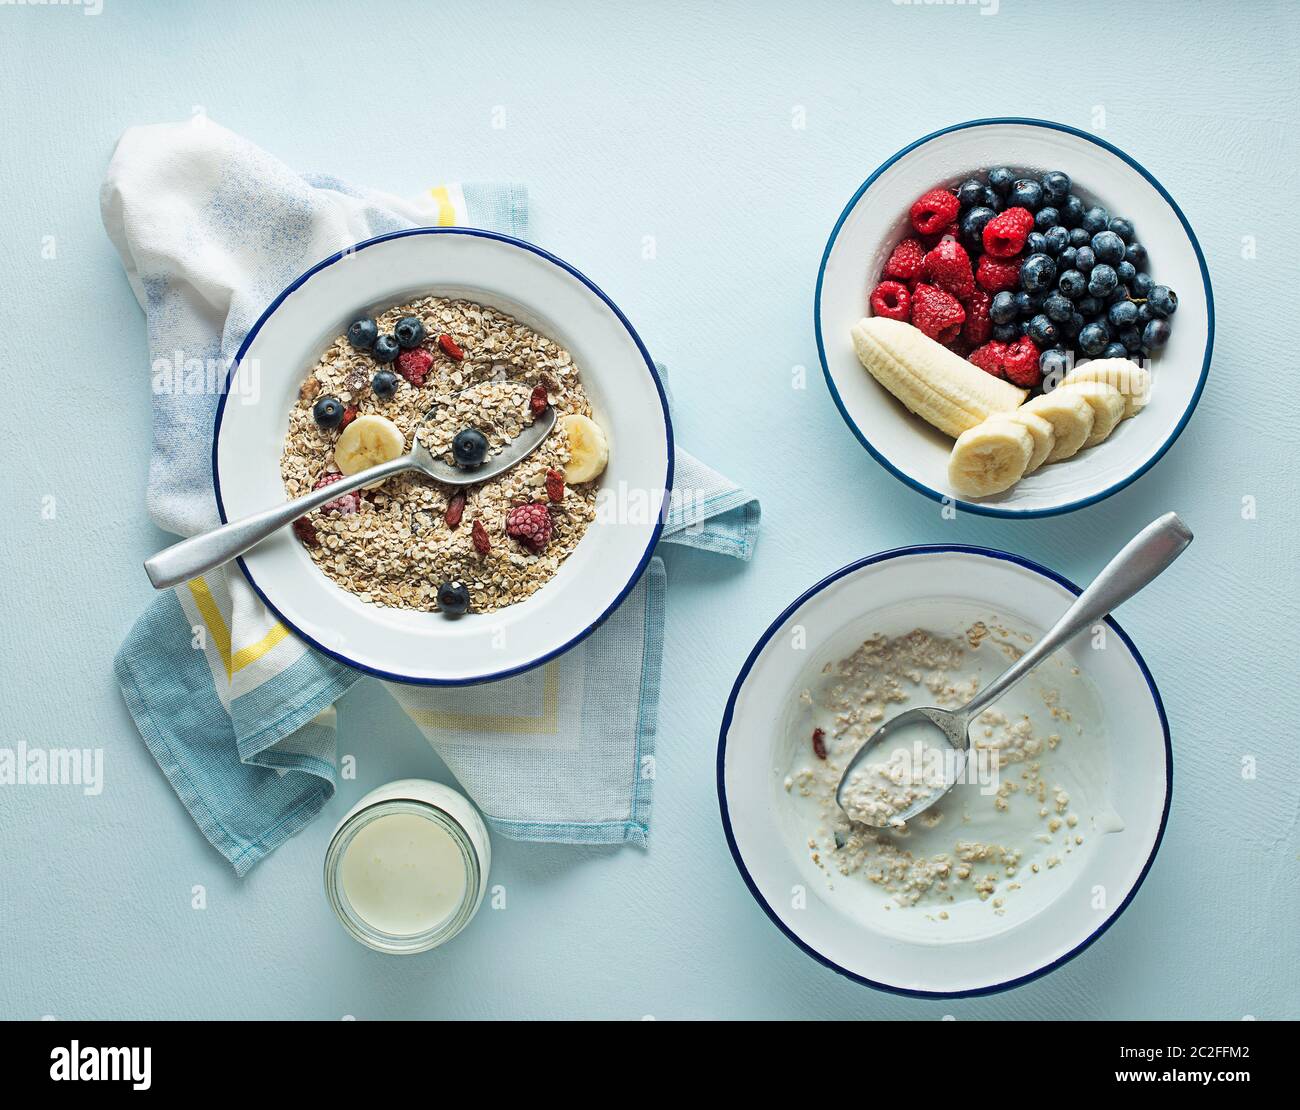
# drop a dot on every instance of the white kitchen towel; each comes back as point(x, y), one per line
point(236, 709)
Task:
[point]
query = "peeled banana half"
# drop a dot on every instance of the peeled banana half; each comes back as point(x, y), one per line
point(368, 441)
point(990, 457)
point(939, 386)
point(588, 448)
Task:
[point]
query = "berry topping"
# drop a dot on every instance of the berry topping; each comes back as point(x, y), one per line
point(386, 349)
point(1037, 274)
point(345, 504)
point(989, 358)
point(1020, 363)
point(934, 212)
point(819, 743)
point(1026, 194)
point(973, 225)
point(1056, 186)
point(538, 401)
point(455, 510)
point(531, 525)
point(936, 313)
point(555, 485)
point(362, 333)
point(453, 599)
point(327, 412)
point(1001, 179)
point(979, 325)
point(469, 448)
point(948, 267)
point(1155, 335)
point(905, 262)
point(414, 365)
point(1005, 234)
point(409, 332)
point(995, 275)
point(384, 384)
point(478, 534)
point(1162, 300)
point(305, 530)
point(892, 300)
point(349, 415)
point(450, 347)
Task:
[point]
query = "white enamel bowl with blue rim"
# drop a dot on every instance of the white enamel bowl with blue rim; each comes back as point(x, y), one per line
point(536, 288)
point(1122, 752)
point(877, 218)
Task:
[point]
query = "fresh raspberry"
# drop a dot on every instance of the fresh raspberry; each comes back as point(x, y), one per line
point(1021, 363)
point(414, 365)
point(978, 327)
point(948, 267)
point(905, 263)
point(936, 313)
point(989, 358)
point(960, 345)
point(995, 275)
point(1005, 234)
point(346, 504)
point(538, 402)
point(305, 530)
point(531, 525)
point(935, 211)
point(478, 534)
point(455, 510)
point(452, 349)
point(892, 300)
point(555, 485)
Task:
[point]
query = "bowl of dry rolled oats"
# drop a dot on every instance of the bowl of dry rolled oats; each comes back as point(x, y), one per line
point(1058, 808)
point(458, 340)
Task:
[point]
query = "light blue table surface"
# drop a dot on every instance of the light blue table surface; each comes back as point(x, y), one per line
point(674, 123)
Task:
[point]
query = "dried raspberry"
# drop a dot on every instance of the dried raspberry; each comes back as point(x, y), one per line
point(482, 544)
point(935, 211)
point(414, 365)
point(948, 267)
point(978, 327)
point(349, 415)
point(1005, 234)
point(455, 510)
point(989, 358)
point(531, 525)
point(452, 348)
point(905, 263)
point(995, 275)
point(936, 313)
point(819, 743)
point(1021, 363)
point(538, 402)
point(555, 485)
point(305, 530)
point(892, 300)
point(345, 504)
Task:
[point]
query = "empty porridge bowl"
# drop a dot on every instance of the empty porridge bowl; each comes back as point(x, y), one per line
point(262, 411)
point(1032, 855)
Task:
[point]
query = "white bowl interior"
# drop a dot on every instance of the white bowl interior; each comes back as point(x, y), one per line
point(879, 218)
point(1121, 757)
point(426, 647)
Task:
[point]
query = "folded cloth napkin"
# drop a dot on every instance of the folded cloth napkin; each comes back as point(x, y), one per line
point(235, 709)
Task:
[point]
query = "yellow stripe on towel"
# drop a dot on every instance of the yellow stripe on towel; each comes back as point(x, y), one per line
point(547, 724)
point(211, 614)
point(446, 210)
point(244, 656)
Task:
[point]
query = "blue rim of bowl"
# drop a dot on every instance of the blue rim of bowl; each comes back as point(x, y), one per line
point(650, 367)
point(787, 613)
point(993, 510)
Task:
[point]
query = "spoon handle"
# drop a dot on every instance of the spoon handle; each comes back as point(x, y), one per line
point(199, 554)
point(1144, 557)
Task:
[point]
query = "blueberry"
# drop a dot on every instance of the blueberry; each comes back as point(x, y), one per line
point(384, 384)
point(1155, 335)
point(1126, 272)
point(453, 599)
point(1072, 211)
point(1123, 314)
point(1137, 254)
point(1002, 310)
point(1022, 328)
point(1084, 260)
point(1054, 364)
point(1036, 242)
point(327, 412)
point(1102, 280)
point(1000, 180)
point(1132, 339)
point(1071, 327)
point(1037, 273)
point(1163, 300)
point(1093, 339)
point(1145, 315)
point(386, 349)
point(469, 448)
point(1026, 194)
point(1079, 237)
point(1114, 350)
point(1042, 331)
point(1047, 217)
point(1095, 220)
point(1072, 284)
point(1089, 306)
point(1141, 285)
point(1065, 260)
point(1006, 333)
point(972, 226)
point(1108, 247)
point(409, 332)
point(1120, 293)
point(362, 333)
point(1058, 240)
point(1056, 186)
point(1059, 308)
point(1121, 227)
point(969, 193)
point(993, 199)
point(1027, 305)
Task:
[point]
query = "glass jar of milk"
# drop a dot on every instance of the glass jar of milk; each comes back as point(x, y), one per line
point(407, 867)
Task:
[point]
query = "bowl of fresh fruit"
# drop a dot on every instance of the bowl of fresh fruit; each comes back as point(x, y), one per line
point(1014, 316)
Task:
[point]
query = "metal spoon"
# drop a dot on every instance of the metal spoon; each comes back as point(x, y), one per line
point(1142, 559)
point(199, 554)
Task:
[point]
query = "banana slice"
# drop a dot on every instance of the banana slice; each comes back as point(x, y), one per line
point(1132, 381)
point(1043, 435)
point(939, 386)
point(1107, 407)
point(1071, 419)
point(990, 457)
point(588, 448)
point(368, 441)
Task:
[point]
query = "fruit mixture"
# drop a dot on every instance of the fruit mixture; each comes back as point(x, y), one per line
point(465, 379)
point(1017, 277)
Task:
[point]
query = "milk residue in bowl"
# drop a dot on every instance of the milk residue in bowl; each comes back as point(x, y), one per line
point(1029, 796)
